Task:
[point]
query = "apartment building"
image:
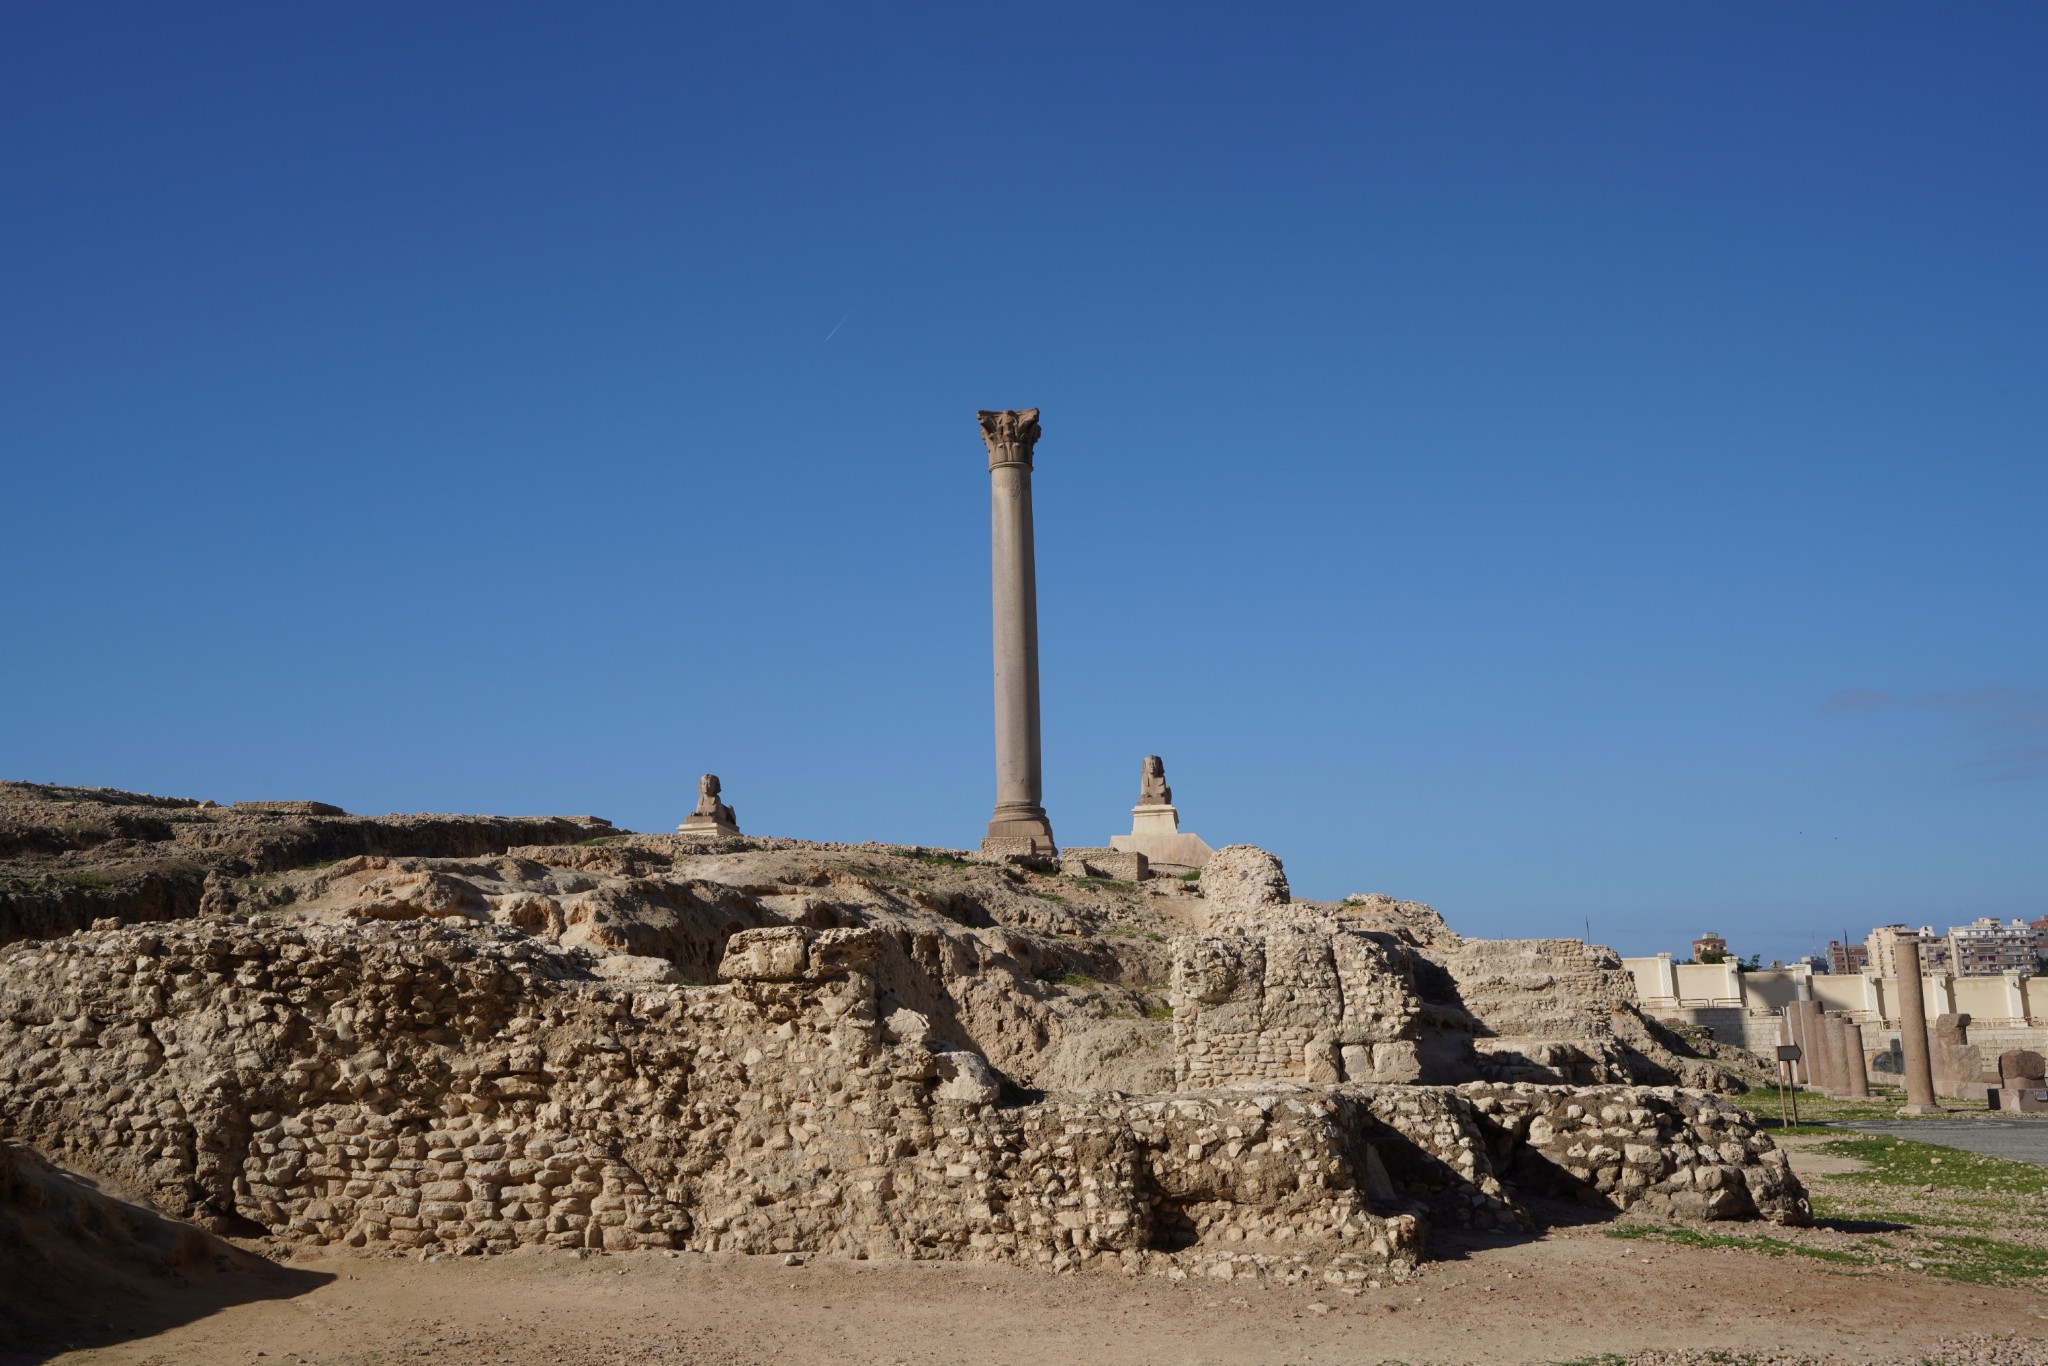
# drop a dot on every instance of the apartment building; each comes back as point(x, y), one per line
point(1988, 946)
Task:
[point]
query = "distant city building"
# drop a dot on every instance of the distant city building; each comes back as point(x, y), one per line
point(1878, 949)
point(1847, 958)
point(2040, 929)
point(1709, 948)
point(1988, 946)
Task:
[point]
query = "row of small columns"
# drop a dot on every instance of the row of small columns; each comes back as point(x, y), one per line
point(1831, 1052)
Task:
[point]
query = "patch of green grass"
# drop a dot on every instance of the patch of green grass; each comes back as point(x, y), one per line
point(937, 858)
point(1191, 875)
point(34, 883)
point(1983, 1261)
point(1948, 1213)
point(1754, 1242)
point(1071, 978)
point(1891, 1161)
point(597, 840)
point(1105, 884)
point(1155, 936)
point(1155, 1011)
point(1049, 896)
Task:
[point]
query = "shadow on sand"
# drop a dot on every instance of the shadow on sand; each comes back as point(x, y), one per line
point(81, 1268)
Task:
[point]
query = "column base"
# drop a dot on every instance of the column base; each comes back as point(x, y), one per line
point(1019, 830)
point(706, 828)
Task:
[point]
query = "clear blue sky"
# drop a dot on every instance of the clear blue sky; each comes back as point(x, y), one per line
point(1558, 462)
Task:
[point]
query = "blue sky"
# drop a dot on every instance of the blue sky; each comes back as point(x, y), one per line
point(1566, 463)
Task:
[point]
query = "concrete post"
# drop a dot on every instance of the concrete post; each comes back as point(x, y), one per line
point(1859, 1062)
point(1913, 1030)
point(1019, 823)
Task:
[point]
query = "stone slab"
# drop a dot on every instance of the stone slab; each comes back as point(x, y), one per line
point(1180, 851)
point(1119, 864)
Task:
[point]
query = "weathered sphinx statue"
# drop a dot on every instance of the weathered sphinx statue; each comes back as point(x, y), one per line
point(1154, 791)
point(712, 816)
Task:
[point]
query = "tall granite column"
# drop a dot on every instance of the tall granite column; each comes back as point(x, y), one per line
point(1913, 1029)
point(1019, 823)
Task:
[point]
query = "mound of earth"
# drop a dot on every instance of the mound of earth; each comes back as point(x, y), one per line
point(69, 1249)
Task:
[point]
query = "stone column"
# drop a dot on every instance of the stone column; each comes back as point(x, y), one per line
point(1019, 824)
point(1812, 1048)
point(1838, 1052)
point(1859, 1062)
point(1913, 1029)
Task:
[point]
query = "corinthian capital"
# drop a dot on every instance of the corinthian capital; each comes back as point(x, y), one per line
point(1009, 434)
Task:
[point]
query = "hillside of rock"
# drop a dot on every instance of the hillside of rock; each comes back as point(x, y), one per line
point(73, 855)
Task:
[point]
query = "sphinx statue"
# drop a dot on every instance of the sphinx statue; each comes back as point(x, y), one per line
point(712, 816)
point(1155, 826)
point(1154, 791)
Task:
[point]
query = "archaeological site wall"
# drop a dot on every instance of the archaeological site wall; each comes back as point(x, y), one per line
point(420, 1083)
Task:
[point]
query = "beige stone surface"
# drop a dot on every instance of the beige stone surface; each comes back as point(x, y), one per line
point(781, 1047)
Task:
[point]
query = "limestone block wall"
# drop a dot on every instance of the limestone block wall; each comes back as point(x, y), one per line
point(1292, 1005)
point(1654, 1149)
point(1538, 988)
point(420, 1084)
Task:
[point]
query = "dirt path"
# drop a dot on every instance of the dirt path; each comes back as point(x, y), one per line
point(1572, 1294)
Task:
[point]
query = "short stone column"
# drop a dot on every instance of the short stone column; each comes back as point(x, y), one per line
point(1858, 1060)
point(1838, 1051)
point(1913, 1030)
point(1019, 824)
point(1806, 1030)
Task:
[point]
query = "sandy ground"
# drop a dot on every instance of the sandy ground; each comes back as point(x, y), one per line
point(1569, 1295)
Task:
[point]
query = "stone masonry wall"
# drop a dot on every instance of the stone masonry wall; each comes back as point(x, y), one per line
point(425, 1085)
point(1291, 1005)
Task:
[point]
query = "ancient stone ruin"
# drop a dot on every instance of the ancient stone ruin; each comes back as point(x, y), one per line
point(474, 1033)
point(1155, 825)
point(775, 1046)
point(713, 817)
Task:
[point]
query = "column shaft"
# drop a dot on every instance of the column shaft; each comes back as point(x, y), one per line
point(1913, 1029)
point(1812, 1052)
point(1019, 821)
point(1859, 1063)
point(1838, 1053)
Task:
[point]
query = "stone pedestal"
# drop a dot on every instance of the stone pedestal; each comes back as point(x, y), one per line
point(1019, 825)
point(707, 827)
point(1155, 833)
